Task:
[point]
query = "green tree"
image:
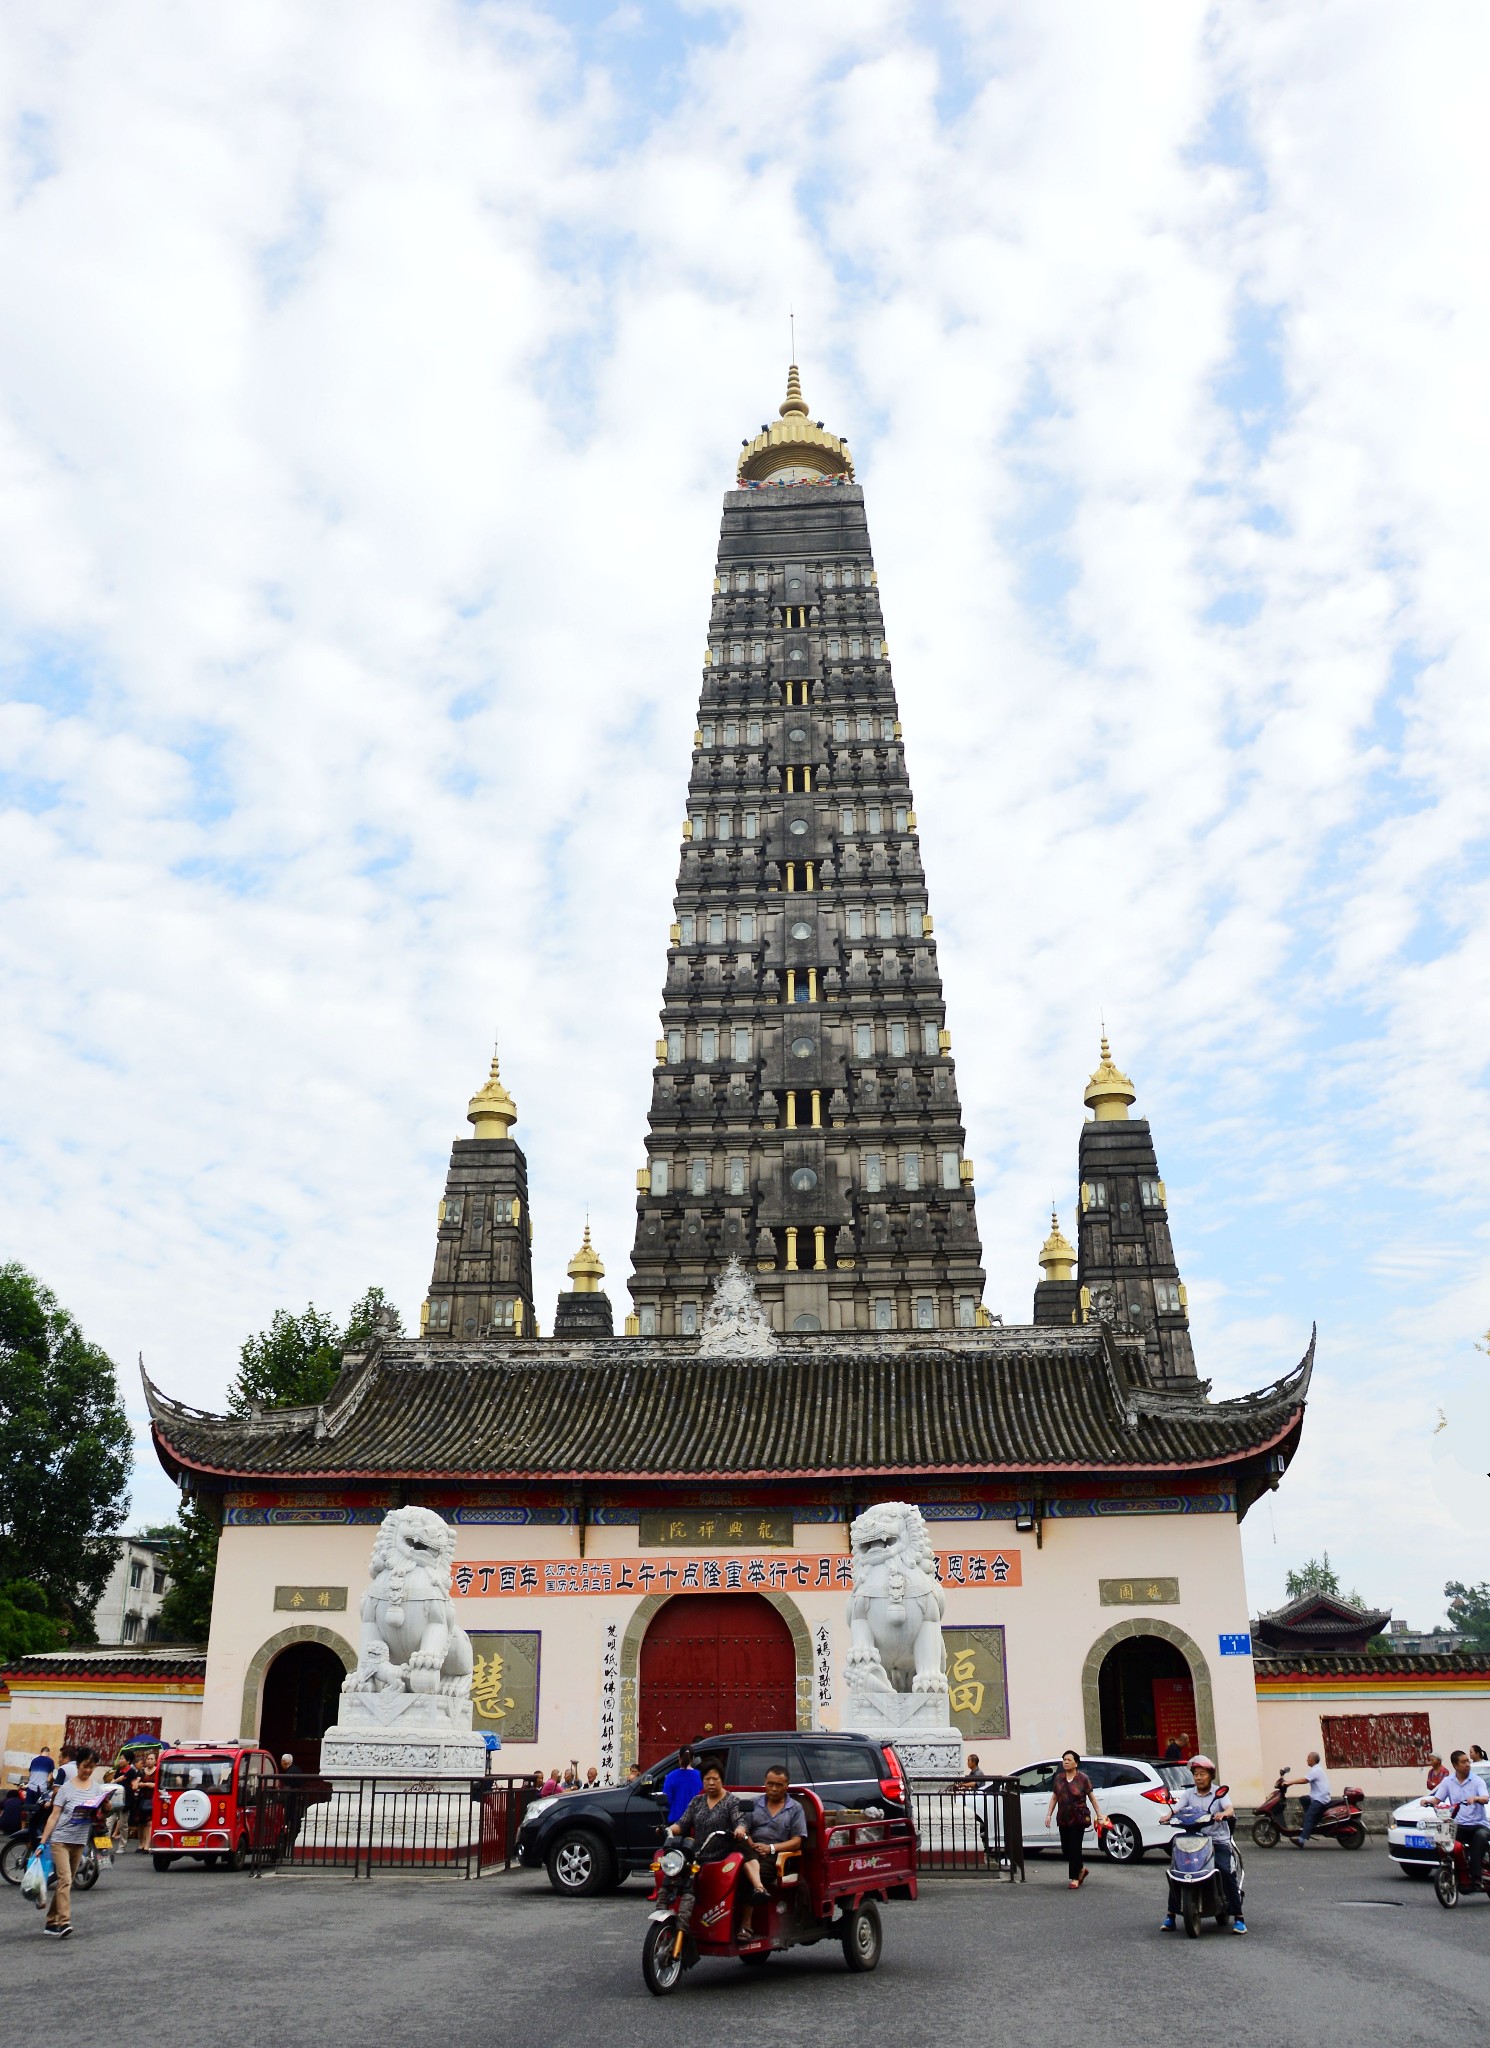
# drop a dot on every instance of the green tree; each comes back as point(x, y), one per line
point(1469, 1610)
point(64, 1454)
point(190, 1561)
point(25, 1625)
point(1320, 1576)
point(294, 1363)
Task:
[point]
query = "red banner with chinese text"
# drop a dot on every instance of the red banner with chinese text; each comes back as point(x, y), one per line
point(769, 1572)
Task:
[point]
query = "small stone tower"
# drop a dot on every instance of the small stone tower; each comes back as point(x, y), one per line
point(1125, 1269)
point(1057, 1292)
point(483, 1278)
point(585, 1311)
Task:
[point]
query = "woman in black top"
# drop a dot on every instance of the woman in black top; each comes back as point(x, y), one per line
point(716, 1820)
point(1074, 1800)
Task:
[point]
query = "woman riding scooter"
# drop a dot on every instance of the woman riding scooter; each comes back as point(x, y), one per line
point(1205, 1812)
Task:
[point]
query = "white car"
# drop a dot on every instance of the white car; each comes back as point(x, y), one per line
point(1412, 1838)
point(1133, 1795)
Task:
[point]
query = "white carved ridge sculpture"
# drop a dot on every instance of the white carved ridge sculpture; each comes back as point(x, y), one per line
point(735, 1324)
point(895, 1609)
point(411, 1642)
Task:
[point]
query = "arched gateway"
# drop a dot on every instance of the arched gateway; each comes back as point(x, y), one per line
point(710, 1663)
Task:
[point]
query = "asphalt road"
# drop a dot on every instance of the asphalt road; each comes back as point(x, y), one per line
point(1343, 1949)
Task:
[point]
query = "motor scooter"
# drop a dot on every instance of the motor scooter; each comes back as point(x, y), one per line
point(1194, 1869)
point(1451, 1878)
point(1341, 1819)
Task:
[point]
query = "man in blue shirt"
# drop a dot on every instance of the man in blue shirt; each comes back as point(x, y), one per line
point(777, 1822)
point(1463, 1794)
point(681, 1786)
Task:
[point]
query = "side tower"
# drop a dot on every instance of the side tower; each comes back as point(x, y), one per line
point(1126, 1269)
point(804, 1104)
point(483, 1279)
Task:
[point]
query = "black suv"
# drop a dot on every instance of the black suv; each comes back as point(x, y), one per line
point(593, 1841)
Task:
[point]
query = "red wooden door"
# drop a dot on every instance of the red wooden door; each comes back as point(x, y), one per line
point(713, 1663)
point(1174, 1715)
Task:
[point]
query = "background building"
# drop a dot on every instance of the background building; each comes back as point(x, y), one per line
point(129, 1611)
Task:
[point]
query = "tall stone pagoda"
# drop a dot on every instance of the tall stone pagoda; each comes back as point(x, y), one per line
point(804, 1108)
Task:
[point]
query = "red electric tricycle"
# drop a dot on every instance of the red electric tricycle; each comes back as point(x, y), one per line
point(830, 1890)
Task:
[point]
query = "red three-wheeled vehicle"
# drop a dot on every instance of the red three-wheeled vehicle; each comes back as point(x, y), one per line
point(830, 1890)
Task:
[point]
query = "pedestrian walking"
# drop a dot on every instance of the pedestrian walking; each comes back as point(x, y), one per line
point(1073, 1798)
point(1437, 1771)
point(681, 1786)
point(66, 1833)
point(1319, 1796)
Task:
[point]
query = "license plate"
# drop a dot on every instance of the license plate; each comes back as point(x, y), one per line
point(191, 1841)
point(1418, 1842)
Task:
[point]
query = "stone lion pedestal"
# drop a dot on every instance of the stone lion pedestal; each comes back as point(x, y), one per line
point(402, 1734)
point(924, 1739)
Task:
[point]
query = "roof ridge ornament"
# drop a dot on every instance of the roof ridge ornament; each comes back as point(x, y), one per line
point(735, 1324)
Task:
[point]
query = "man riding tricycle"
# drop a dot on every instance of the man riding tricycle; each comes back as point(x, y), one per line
point(737, 1878)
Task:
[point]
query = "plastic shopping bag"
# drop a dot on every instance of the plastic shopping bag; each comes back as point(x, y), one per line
point(39, 1877)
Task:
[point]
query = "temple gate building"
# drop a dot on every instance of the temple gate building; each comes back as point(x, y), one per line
point(652, 1527)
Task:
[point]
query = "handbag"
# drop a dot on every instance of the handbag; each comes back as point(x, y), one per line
point(39, 1878)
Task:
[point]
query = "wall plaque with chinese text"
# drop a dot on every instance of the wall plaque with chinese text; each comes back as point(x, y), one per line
point(977, 1682)
point(504, 1683)
point(680, 1572)
point(722, 1528)
point(1139, 1592)
point(311, 1599)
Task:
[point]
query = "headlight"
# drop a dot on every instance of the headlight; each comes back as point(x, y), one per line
point(672, 1862)
point(539, 1806)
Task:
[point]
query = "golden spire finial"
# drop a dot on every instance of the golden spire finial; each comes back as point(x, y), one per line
point(585, 1269)
point(1109, 1091)
point(793, 447)
point(1057, 1255)
point(491, 1110)
point(793, 401)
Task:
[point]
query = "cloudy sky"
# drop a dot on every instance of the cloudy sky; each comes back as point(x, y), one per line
point(369, 377)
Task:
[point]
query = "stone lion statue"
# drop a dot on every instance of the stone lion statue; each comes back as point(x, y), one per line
point(895, 1610)
point(410, 1641)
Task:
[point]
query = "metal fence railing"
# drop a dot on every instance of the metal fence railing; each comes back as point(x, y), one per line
point(358, 1827)
point(968, 1831)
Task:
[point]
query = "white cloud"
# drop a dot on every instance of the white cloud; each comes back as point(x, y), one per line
point(367, 383)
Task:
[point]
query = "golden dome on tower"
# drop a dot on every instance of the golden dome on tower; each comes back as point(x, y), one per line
point(794, 442)
point(491, 1109)
point(1057, 1255)
point(585, 1269)
point(1109, 1091)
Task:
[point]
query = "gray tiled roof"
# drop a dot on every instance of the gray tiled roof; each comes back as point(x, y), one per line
point(998, 1400)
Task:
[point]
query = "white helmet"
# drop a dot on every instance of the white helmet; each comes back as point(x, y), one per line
point(1202, 1763)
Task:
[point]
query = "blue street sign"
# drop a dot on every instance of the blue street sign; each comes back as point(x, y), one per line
point(1236, 1646)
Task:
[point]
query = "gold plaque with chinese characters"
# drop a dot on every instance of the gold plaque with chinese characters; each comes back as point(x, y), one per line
point(977, 1683)
point(1139, 1592)
point(310, 1599)
point(716, 1528)
point(504, 1683)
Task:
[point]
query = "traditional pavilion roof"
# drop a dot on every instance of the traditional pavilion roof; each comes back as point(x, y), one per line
point(986, 1401)
point(1320, 1621)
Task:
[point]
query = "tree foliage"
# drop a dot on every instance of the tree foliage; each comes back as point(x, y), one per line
point(294, 1363)
point(1469, 1611)
point(65, 1457)
point(1319, 1576)
point(25, 1625)
point(190, 1561)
